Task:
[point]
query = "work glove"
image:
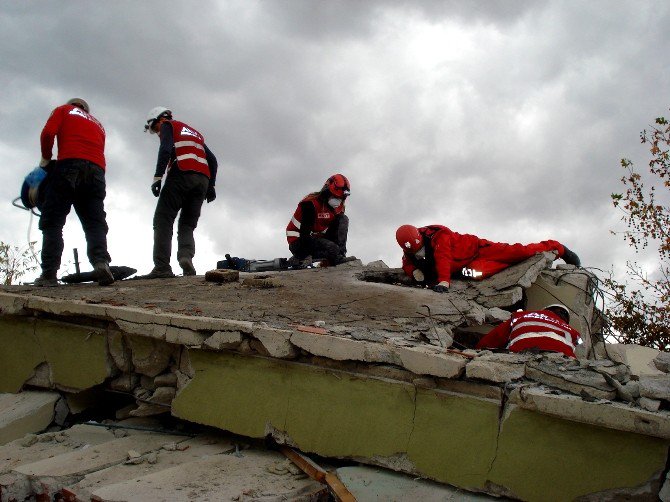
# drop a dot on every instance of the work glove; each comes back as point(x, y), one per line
point(156, 187)
point(441, 287)
point(211, 194)
point(418, 275)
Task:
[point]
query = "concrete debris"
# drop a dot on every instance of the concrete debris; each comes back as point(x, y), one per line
point(655, 387)
point(649, 404)
point(498, 368)
point(639, 359)
point(376, 265)
point(27, 412)
point(554, 372)
point(662, 362)
point(222, 276)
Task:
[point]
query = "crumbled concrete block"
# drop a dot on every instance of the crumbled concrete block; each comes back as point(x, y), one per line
point(202, 323)
point(550, 371)
point(342, 349)
point(150, 357)
point(655, 387)
point(61, 411)
point(640, 359)
point(125, 383)
point(662, 362)
point(376, 264)
point(223, 340)
point(149, 410)
point(429, 361)
point(649, 404)
point(163, 395)
point(26, 412)
point(497, 368)
point(12, 304)
point(119, 351)
point(664, 494)
point(183, 336)
point(42, 377)
point(504, 298)
point(496, 315)
point(277, 342)
point(149, 330)
point(166, 380)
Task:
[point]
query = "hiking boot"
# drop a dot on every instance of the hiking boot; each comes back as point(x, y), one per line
point(157, 274)
point(46, 280)
point(103, 273)
point(187, 265)
point(570, 257)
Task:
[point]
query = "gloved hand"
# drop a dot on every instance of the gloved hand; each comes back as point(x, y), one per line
point(43, 162)
point(418, 275)
point(441, 287)
point(211, 194)
point(156, 187)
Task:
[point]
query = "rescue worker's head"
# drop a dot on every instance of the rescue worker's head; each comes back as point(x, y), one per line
point(560, 310)
point(410, 240)
point(79, 103)
point(156, 117)
point(335, 190)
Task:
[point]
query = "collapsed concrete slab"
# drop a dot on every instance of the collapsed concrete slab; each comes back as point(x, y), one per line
point(347, 368)
point(25, 413)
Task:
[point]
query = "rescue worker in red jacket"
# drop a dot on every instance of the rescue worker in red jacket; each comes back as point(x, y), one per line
point(545, 330)
point(318, 229)
point(77, 179)
point(433, 254)
point(191, 177)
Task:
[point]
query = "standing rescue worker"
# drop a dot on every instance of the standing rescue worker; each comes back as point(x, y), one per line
point(77, 179)
point(545, 330)
point(433, 254)
point(191, 176)
point(318, 229)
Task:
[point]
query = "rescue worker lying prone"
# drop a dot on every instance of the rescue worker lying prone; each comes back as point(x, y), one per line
point(434, 254)
point(318, 229)
point(545, 330)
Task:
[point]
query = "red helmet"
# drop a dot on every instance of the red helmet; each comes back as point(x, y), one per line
point(409, 238)
point(337, 185)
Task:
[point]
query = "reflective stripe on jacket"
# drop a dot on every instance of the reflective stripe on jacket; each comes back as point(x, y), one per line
point(189, 148)
point(324, 216)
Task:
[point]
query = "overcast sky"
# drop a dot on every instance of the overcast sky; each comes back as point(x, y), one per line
point(502, 119)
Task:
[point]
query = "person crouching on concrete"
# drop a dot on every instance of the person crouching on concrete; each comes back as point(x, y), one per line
point(318, 229)
point(191, 176)
point(433, 254)
point(78, 179)
point(545, 330)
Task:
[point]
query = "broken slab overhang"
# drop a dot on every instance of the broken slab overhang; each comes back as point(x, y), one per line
point(374, 381)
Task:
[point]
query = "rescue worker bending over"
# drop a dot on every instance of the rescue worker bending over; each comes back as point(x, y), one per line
point(318, 229)
point(78, 179)
point(433, 254)
point(191, 176)
point(545, 330)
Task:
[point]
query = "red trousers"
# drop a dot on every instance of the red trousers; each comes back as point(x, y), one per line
point(496, 256)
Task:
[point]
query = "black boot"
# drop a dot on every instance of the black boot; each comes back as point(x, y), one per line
point(103, 274)
point(46, 280)
point(186, 265)
point(570, 257)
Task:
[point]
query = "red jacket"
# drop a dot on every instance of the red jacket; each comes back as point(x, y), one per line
point(79, 135)
point(451, 250)
point(324, 216)
point(189, 148)
point(534, 329)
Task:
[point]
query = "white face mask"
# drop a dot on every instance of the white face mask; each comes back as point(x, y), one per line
point(334, 202)
point(421, 253)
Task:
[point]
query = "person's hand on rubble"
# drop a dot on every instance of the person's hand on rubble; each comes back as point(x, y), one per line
point(418, 275)
point(211, 194)
point(156, 187)
point(441, 287)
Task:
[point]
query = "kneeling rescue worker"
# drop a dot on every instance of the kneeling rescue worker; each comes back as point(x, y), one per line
point(433, 254)
point(545, 330)
point(318, 229)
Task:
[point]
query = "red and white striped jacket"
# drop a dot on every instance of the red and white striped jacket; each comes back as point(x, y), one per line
point(324, 216)
point(189, 148)
point(535, 329)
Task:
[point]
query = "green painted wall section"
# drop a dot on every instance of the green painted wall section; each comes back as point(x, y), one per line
point(20, 353)
point(77, 354)
point(543, 458)
point(454, 437)
point(448, 437)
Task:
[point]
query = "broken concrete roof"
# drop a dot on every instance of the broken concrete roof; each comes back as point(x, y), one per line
point(167, 342)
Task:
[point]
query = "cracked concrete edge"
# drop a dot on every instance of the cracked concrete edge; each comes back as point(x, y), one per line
point(614, 415)
point(343, 349)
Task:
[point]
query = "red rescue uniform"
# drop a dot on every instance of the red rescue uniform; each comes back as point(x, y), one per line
point(324, 216)
point(79, 135)
point(189, 147)
point(452, 253)
point(540, 330)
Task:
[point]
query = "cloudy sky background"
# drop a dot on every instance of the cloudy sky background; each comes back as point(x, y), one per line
point(502, 119)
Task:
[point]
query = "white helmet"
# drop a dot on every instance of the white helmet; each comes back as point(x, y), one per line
point(155, 114)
